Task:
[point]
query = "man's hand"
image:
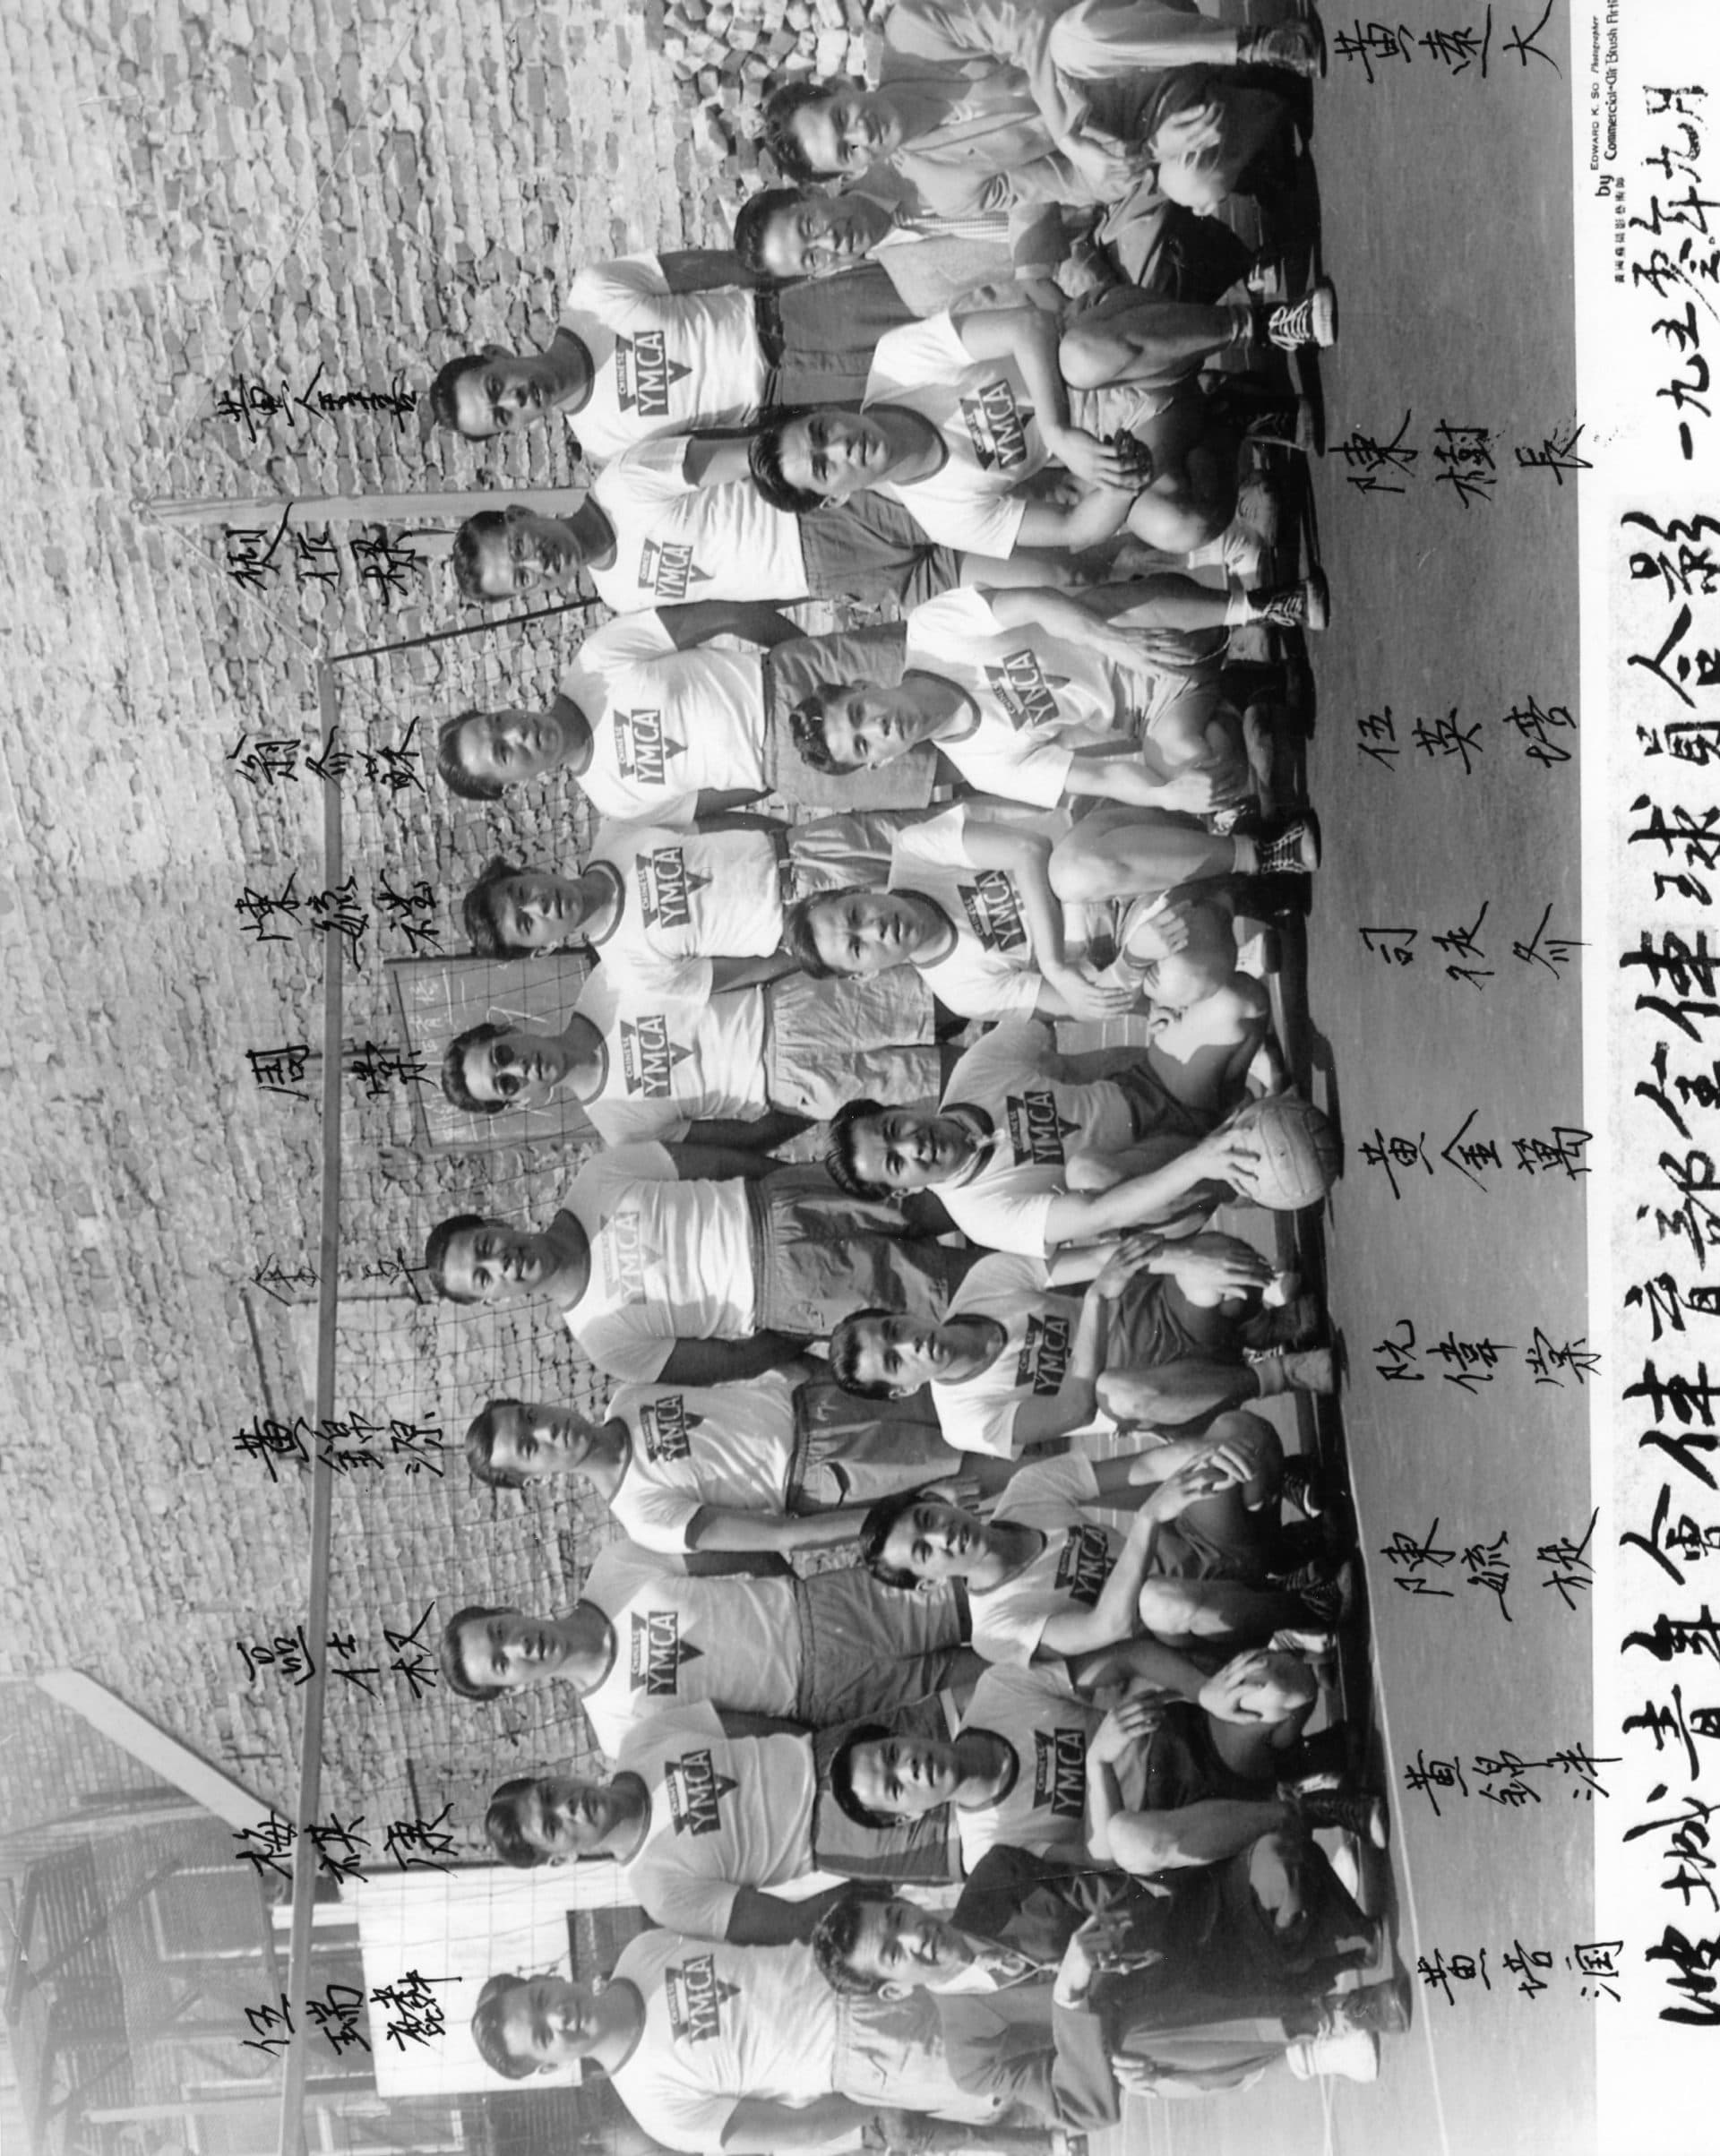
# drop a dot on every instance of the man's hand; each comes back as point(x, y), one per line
point(1094, 462)
point(1191, 134)
point(1086, 999)
point(1129, 1721)
point(1109, 168)
point(1201, 1478)
point(1135, 2076)
point(1161, 930)
point(1125, 1262)
point(1105, 1942)
point(1207, 1265)
point(1289, 1674)
point(1199, 792)
point(1227, 1156)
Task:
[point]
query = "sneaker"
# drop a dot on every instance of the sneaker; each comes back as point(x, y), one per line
point(1353, 2056)
point(1289, 424)
point(1311, 1370)
point(1296, 48)
point(1312, 320)
point(1242, 551)
point(1328, 1596)
point(1262, 897)
point(1378, 2009)
point(1289, 845)
point(1304, 606)
point(1293, 1324)
point(1363, 1816)
point(1302, 1484)
point(1306, 1640)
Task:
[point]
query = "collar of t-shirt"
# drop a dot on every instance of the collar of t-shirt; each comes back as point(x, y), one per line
point(986, 1136)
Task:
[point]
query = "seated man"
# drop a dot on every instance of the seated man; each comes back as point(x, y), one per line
point(1022, 1154)
point(973, 898)
point(710, 1819)
point(1045, 1579)
point(1162, 1331)
point(666, 1262)
point(960, 416)
point(658, 344)
point(1010, 103)
point(740, 2048)
point(725, 1467)
point(645, 1637)
point(1045, 696)
point(1045, 1969)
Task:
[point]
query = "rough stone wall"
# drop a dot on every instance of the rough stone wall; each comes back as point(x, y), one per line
point(195, 193)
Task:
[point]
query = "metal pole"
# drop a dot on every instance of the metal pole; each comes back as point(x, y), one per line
point(371, 508)
point(317, 1616)
point(484, 628)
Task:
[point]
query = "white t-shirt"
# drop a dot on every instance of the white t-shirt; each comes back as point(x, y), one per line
point(1038, 1121)
point(671, 1063)
point(1039, 1714)
point(1069, 1572)
point(693, 1445)
point(663, 361)
point(692, 897)
point(978, 1414)
point(981, 411)
point(1037, 698)
point(722, 2022)
point(726, 1812)
point(730, 1641)
point(670, 1261)
point(990, 972)
point(676, 542)
point(666, 725)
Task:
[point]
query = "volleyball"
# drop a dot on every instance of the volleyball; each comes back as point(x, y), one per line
point(1299, 1152)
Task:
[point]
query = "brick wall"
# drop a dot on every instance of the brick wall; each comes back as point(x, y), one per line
point(199, 193)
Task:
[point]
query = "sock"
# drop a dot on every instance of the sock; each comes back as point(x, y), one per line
point(1246, 325)
point(1248, 855)
point(1208, 557)
point(1269, 1376)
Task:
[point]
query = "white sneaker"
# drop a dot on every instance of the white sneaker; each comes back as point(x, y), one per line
point(1352, 2057)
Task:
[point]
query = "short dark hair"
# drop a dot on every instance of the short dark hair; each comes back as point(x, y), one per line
point(845, 1357)
point(875, 1531)
point(842, 1777)
point(753, 221)
point(480, 923)
point(486, 2029)
point(764, 464)
point(502, 1826)
point(444, 390)
point(453, 1070)
point(838, 1150)
point(806, 724)
point(449, 770)
point(436, 1252)
point(467, 541)
point(798, 938)
point(480, 1445)
point(453, 1665)
point(838, 1934)
point(779, 139)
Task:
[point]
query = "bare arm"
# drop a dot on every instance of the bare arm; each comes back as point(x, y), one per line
point(719, 1163)
point(759, 2128)
point(1083, 1217)
point(699, 620)
point(757, 1135)
point(1074, 1401)
point(1113, 1616)
point(703, 270)
point(726, 1361)
point(1026, 337)
point(749, 972)
point(1145, 1658)
point(712, 802)
point(1025, 857)
point(716, 461)
point(723, 1527)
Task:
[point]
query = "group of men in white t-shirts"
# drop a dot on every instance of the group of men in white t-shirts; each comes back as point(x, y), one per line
point(958, 1844)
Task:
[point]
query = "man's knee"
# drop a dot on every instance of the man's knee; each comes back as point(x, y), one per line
point(1079, 871)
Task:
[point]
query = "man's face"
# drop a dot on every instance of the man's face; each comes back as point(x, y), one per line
point(910, 1150)
point(511, 1650)
point(936, 1541)
point(511, 748)
point(834, 453)
point(534, 1441)
point(498, 396)
point(520, 1069)
point(530, 553)
point(863, 932)
point(902, 1354)
point(904, 1777)
point(495, 1263)
point(562, 1816)
point(549, 2020)
point(900, 1943)
point(534, 910)
point(865, 727)
point(822, 234)
point(848, 131)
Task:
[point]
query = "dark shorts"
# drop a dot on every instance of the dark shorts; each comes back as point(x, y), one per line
point(867, 1650)
point(829, 331)
point(852, 1452)
point(820, 1254)
point(1157, 1110)
point(1147, 1326)
point(870, 549)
